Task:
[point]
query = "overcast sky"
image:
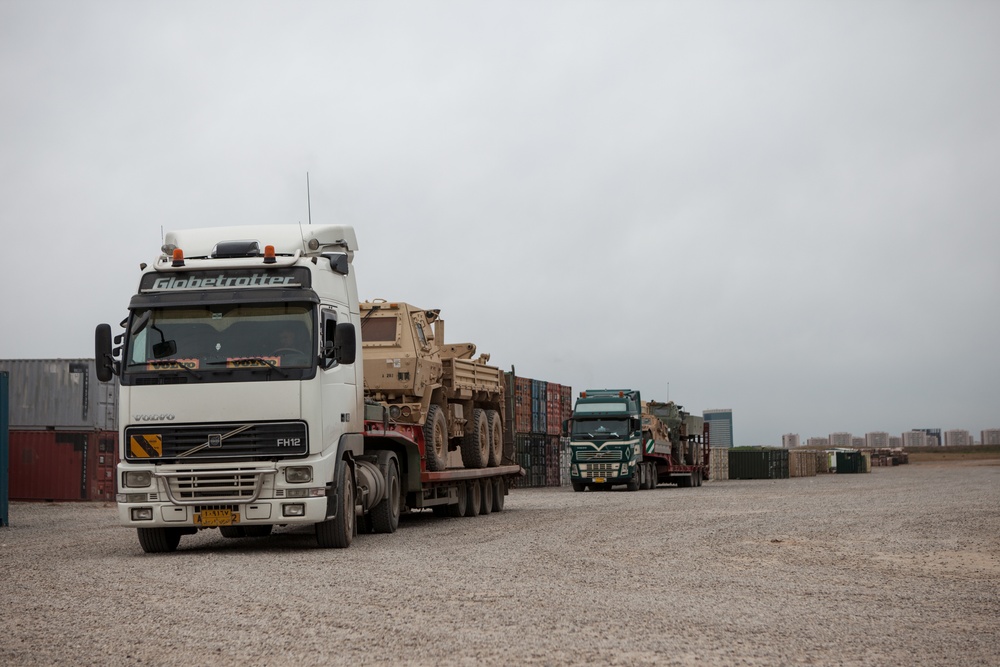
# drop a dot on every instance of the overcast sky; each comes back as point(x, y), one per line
point(789, 209)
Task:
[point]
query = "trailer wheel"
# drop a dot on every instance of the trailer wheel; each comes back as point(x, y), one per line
point(159, 540)
point(697, 478)
point(499, 491)
point(436, 439)
point(338, 532)
point(476, 441)
point(385, 515)
point(495, 427)
point(486, 493)
point(579, 486)
point(473, 498)
point(458, 509)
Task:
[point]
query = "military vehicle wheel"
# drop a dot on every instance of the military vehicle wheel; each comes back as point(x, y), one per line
point(499, 491)
point(486, 492)
point(495, 427)
point(385, 515)
point(338, 532)
point(476, 442)
point(458, 509)
point(436, 439)
point(159, 540)
point(579, 486)
point(473, 498)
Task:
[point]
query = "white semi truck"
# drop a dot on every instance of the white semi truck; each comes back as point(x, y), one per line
point(242, 399)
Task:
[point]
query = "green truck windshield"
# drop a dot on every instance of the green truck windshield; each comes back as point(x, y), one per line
point(603, 429)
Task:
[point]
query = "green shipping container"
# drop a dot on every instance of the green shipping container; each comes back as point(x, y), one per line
point(758, 463)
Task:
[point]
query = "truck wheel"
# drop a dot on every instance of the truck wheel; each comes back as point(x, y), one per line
point(486, 493)
point(385, 515)
point(159, 540)
point(499, 491)
point(476, 441)
point(338, 532)
point(458, 509)
point(473, 498)
point(579, 486)
point(495, 427)
point(436, 439)
point(643, 476)
point(633, 482)
point(232, 531)
point(697, 478)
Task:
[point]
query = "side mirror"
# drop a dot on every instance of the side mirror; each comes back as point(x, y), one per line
point(345, 343)
point(103, 360)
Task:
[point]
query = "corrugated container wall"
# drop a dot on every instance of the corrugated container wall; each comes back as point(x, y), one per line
point(63, 465)
point(61, 394)
point(553, 408)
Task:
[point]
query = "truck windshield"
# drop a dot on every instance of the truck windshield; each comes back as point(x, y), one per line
point(195, 339)
point(599, 428)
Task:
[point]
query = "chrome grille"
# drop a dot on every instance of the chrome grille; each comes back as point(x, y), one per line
point(599, 455)
point(198, 487)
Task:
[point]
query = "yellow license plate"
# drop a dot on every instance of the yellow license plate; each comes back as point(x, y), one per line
point(599, 480)
point(216, 518)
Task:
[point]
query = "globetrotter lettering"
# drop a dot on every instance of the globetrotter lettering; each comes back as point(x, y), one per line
point(222, 280)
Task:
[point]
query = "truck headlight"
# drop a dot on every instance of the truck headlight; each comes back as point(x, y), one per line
point(142, 513)
point(298, 474)
point(138, 479)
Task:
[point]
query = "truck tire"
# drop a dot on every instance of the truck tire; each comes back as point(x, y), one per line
point(643, 475)
point(385, 515)
point(579, 486)
point(697, 478)
point(338, 532)
point(476, 441)
point(633, 482)
point(495, 426)
point(486, 493)
point(436, 439)
point(653, 476)
point(159, 540)
point(499, 491)
point(458, 509)
point(473, 498)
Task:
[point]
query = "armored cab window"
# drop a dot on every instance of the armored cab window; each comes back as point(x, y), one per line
point(420, 334)
point(379, 329)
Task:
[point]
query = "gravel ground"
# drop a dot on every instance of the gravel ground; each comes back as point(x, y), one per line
point(899, 567)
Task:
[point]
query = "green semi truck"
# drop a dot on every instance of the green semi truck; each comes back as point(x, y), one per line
point(617, 439)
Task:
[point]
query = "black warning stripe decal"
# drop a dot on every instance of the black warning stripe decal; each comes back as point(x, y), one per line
point(146, 446)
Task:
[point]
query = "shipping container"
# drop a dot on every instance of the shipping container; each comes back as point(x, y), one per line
point(758, 463)
point(553, 408)
point(4, 457)
point(62, 394)
point(718, 463)
point(849, 462)
point(63, 465)
point(802, 463)
point(539, 404)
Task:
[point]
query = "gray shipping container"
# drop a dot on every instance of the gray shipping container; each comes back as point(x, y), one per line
point(60, 394)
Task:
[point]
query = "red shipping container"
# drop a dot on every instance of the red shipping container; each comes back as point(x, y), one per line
point(63, 465)
point(553, 409)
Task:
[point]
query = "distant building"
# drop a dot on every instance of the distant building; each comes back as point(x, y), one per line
point(790, 440)
point(895, 441)
point(818, 442)
point(877, 440)
point(914, 439)
point(857, 442)
point(841, 440)
point(990, 436)
point(720, 427)
point(933, 436)
point(957, 438)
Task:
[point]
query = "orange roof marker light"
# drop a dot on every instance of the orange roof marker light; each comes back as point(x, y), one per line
point(178, 257)
point(269, 254)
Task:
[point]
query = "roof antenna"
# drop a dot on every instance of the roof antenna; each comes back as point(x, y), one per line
point(309, 200)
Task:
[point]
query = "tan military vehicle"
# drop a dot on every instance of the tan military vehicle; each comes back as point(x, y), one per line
point(421, 380)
